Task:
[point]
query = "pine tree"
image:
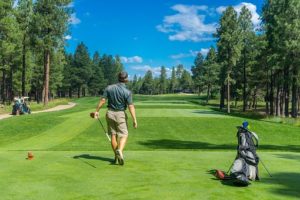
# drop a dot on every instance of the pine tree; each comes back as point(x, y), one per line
point(9, 43)
point(82, 68)
point(210, 72)
point(50, 24)
point(173, 81)
point(148, 83)
point(186, 81)
point(24, 14)
point(248, 50)
point(198, 72)
point(97, 82)
point(228, 50)
point(163, 80)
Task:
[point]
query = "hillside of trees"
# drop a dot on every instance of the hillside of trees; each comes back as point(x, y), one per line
point(247, 63)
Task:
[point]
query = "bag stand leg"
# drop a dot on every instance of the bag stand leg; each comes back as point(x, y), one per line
point(265, 167)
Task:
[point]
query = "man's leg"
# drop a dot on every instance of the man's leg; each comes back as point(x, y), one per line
point(111, 125)
point(122, 142)
point(119, 151)
point(114, 145)
point(114, 142)
point(122, 131)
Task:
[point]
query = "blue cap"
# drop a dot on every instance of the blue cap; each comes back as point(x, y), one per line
point(245, 124)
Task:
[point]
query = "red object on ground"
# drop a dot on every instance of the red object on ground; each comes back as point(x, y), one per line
point(30, 155)
point(220, 174)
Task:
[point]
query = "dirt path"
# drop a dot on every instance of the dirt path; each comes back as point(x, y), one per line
point(56, 108)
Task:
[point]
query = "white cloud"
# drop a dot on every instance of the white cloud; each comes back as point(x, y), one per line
point(187, 24)
point(191, 53)
point(134, 59)
point(251, 7)
point(221, 9)
point(68, 37)
point(74, 20)
point(70, 5)
point(155, 70)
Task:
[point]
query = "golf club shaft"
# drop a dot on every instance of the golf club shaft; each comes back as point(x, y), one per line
point(265, 167)
point(104, 130)
point(230, 168)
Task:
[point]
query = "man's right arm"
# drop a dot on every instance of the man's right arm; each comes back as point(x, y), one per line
point(101, 103)
point(132, 112)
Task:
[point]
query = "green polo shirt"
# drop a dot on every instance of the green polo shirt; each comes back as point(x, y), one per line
point(118, 96)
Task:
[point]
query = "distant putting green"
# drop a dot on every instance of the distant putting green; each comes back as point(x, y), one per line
point(169, 156)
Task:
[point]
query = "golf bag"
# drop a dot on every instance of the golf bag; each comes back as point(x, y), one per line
point(245, 165)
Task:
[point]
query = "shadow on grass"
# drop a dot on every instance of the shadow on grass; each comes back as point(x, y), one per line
point(227, 180)
point(248, 115)
point(289, 156)
point(287, 184)
point(211, 112)
point(88, 156)
point(179, 144)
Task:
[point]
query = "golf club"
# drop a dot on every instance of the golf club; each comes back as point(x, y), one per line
point(104, 130)
point(92, 115)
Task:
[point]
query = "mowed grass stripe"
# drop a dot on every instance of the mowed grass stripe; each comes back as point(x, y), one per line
point(146, 175)
point(60, 133)
point(179, 113)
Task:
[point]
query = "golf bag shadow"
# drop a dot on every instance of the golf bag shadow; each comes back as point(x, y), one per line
point(245, 166)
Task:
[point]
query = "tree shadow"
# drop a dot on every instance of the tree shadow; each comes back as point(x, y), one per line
point(289, 156)
point(211, 112)
point(290, 148)
point(180, 144)
point(233, 113)
point(90, 157)
point(289, 183)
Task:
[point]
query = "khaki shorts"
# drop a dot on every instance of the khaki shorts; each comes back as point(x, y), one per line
point(117, 123)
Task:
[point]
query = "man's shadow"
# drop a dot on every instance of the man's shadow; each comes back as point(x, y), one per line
point(88, 156)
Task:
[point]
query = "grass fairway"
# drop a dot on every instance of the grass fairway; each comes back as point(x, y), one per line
point(168, 157)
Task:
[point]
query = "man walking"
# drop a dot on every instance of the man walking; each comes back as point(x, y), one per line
point(119, 97)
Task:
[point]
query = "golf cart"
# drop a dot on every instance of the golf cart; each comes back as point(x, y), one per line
point(21, 106)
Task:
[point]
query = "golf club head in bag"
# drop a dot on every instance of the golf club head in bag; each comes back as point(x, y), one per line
point(92, 115)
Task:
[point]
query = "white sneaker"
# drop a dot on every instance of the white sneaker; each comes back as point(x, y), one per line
point(120, 157)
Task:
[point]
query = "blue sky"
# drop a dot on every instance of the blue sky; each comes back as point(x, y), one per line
point(148, 34)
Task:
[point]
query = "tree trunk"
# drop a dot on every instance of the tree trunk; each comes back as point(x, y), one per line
point(24, 67)
point(271, 97)
point(254, 104)
point(286, 91)
point(228, 94)
point(46, 76)
point(70, 92)
point(208, 91)
point(298, 100)
point(267, 96)
point(245, 83)
point(10, 86)
point(222, 96)
point(78, 92)
point(3, 86)
point(281, 101)
point(294, 93)
point(277, 99)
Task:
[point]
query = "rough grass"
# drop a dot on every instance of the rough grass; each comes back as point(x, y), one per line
point(168, 157)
